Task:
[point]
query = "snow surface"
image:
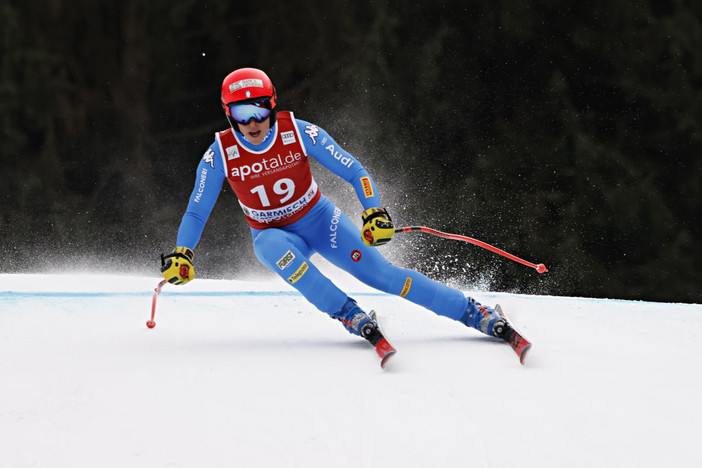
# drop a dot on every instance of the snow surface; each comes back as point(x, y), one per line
point(248, 374)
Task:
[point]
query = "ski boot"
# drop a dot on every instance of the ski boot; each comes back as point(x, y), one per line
point(361, 324)
point(484, 318)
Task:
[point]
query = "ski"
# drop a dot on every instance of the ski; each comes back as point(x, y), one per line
point(375, 336)
point(516, 340)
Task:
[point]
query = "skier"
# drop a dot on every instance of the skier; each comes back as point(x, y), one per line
point(264, 157)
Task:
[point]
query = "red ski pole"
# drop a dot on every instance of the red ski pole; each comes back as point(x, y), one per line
point(541, 268)
point(157, 291)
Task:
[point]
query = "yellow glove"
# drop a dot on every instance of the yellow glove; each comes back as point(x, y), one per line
point(377, 227)
point(177, 266)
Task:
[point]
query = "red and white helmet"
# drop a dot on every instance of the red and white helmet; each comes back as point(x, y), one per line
point(247, 84)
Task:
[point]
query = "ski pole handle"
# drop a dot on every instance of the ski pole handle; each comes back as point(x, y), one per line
point(540, 268)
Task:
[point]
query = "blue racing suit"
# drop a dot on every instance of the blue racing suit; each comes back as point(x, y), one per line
point(323, 229)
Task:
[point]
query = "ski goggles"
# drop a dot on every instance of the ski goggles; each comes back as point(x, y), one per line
point(244, 113)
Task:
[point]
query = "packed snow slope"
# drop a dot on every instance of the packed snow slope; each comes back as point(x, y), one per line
point(248, 374)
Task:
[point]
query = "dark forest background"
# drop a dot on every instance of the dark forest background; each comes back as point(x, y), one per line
point(565, 132)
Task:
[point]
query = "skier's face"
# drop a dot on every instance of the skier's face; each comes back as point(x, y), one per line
point(252, 117)
point(254, 131)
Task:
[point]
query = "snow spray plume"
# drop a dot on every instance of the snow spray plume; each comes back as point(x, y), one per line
point(540, 268)
point(391, 158)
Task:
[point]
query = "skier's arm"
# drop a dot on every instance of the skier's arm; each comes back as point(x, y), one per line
point(377, 228)
point(177, 267)
point(208, 185)
point(328, 153)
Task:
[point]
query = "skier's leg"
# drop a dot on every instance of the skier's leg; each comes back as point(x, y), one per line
point(368, 265)
point(287, 254)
